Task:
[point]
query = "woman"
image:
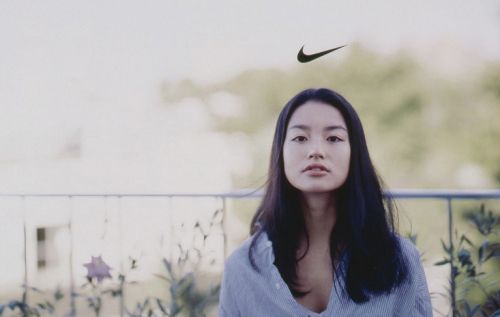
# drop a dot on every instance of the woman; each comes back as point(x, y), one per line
point(323, 240)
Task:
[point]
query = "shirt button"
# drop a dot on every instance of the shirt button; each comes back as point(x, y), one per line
point(278, 286)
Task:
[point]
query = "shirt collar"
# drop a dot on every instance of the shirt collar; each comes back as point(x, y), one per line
point(264, 254)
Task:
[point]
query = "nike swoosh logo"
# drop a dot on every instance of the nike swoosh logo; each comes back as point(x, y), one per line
point(305, 58)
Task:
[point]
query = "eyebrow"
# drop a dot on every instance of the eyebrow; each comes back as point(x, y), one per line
point(308, 128)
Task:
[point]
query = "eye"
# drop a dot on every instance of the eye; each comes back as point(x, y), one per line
point(334, 139)
point(300, 139)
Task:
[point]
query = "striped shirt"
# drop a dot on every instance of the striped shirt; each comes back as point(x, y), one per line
point(248, 293)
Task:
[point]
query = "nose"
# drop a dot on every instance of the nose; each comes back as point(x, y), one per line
point(316, 156)
point(316, 151)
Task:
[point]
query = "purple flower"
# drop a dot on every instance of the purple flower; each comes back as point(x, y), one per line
point(98, 269)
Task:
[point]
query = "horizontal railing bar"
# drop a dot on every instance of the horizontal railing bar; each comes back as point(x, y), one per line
point(444, 193)
point(246, 193)
point(234, 194)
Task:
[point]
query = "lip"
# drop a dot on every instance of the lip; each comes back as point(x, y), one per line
point(316, 169)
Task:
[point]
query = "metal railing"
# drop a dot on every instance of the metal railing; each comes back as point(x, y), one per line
point(448, 196)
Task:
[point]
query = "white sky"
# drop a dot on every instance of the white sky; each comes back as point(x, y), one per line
point(209, 39)
point(73, 66)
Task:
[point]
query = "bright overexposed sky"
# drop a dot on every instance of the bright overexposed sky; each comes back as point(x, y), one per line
point(90, 72)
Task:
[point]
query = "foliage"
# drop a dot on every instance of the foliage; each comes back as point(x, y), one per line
point(184, 295)
point(424, 128)
point(469, 262)
point(93, 291)
point(45, 307)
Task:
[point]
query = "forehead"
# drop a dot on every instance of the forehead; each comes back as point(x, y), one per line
point(317, 114)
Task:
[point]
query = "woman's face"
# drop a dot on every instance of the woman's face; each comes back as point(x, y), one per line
point(316, 152)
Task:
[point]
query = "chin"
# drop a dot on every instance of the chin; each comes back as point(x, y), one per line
point(316, 189)
point(316, 186)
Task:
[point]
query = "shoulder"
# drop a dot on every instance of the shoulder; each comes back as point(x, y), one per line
point(240, 254)
point(417, 280)
point(408, 250)
point(409, 262)
point(412, 259)
point(236, 267)
point(239, 276)
point(258, 247)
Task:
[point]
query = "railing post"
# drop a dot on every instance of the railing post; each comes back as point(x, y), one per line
point(25, 254)
point(452, 258)
point(122, 269)
point(72, 304)
point(224, 226)
point(171, 231)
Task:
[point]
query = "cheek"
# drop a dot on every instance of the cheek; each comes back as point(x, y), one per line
point(347, 161)
point(342, 160)
point(347, 155)
point(288, 162)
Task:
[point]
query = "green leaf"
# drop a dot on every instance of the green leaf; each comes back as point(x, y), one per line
point(473, 311)
point(168, 267)
point(116, 292)
point(162, 306)
point(176, 310)
point(442, 262)
point(496, 314)
point(58, 295)
point(163, 277)
point(464, 238)
point(185, 283)
point(482, 251)
point(133, 263)
point(139, 308)
point(50, 306)
point(13, 303)
point(495, 251)
point(464, 257)
point(447, 249)
point(412, 238)
point(173, 289)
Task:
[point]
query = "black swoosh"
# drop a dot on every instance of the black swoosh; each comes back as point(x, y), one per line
point(305, 58)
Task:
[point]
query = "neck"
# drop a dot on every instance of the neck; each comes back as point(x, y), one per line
point(319, 216)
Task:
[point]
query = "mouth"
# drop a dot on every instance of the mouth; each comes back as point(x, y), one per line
point(315, 168)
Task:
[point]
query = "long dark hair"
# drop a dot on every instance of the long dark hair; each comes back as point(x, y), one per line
point(364, 234)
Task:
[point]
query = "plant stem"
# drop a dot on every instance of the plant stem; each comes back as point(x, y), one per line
point(452, 259)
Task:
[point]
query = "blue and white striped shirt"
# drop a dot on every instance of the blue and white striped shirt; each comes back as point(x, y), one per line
point(248, 293)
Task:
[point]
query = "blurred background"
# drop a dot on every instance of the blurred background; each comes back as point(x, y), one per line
point(181, 97)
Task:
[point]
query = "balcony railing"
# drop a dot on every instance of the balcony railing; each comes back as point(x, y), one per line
point(219, 203)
